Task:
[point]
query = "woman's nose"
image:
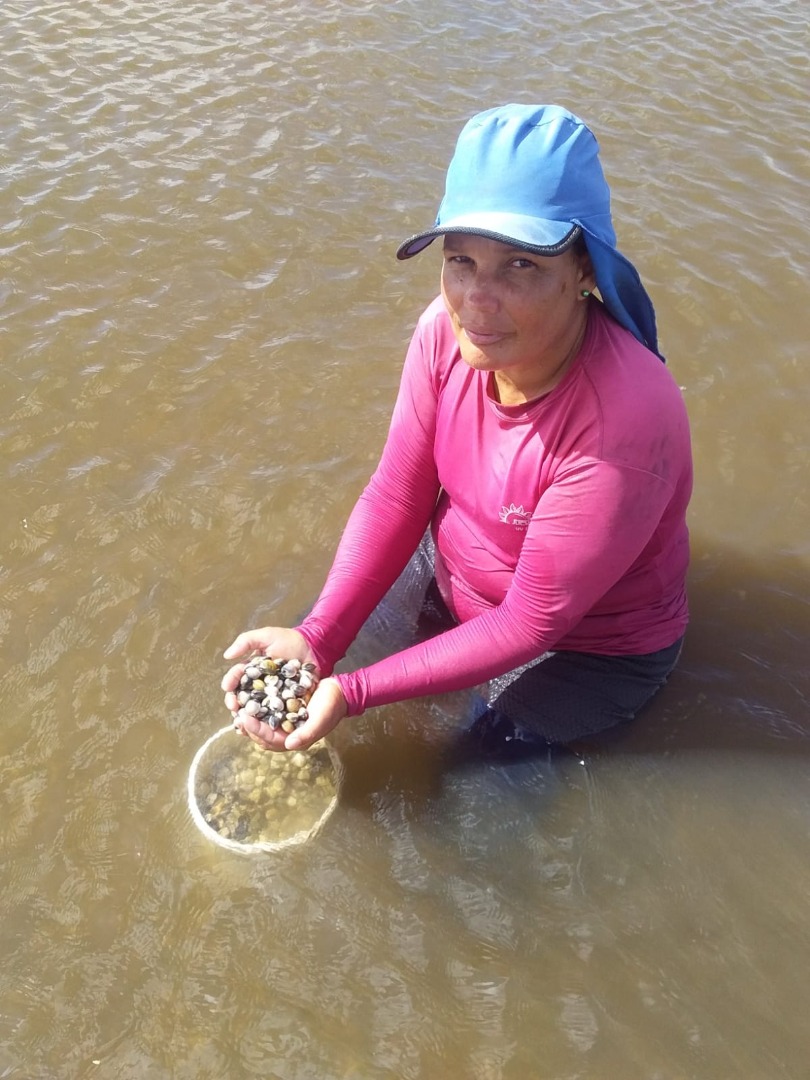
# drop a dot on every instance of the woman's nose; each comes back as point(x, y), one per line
point(482, 292)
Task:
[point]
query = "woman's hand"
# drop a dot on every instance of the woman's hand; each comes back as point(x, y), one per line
point(326, 709)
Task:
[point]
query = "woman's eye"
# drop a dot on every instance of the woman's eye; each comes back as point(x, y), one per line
point(523, 264)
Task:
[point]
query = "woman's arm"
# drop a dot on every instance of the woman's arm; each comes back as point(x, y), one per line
point(388, 520)
point(587, 531)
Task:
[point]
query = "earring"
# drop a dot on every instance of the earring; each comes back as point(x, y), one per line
point(585, 293)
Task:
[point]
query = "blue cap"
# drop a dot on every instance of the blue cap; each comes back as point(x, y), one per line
point(531, 175)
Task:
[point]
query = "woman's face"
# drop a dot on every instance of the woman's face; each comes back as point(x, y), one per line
point(513, 311)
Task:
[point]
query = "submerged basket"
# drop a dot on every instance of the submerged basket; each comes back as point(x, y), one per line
point(251, 800)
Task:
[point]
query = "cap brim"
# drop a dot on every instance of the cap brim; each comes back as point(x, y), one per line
point(539, 236)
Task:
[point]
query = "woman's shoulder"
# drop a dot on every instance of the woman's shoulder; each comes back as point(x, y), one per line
point(615, 358)
point(636, 404)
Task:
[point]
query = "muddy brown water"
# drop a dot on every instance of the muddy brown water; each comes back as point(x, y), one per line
point(202, 323)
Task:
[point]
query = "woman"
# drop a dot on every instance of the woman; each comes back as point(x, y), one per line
point(539, 445)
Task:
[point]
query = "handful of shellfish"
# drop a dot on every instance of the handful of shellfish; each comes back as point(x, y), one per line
point(276, 691)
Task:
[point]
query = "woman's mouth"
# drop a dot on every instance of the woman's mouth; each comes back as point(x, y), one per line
point(482, 338)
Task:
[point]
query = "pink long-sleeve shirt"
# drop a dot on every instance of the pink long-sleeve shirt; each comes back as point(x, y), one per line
point(558, 524)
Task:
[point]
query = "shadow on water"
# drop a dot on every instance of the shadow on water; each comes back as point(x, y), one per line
point(743, 680)
point(741, 685)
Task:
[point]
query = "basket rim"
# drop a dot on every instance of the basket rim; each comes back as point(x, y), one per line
point(257, 846)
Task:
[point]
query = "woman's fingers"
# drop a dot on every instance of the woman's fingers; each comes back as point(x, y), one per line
point(276, 640)
point(262, 734)
point(232, 677)
point(306, 735)
point(248, 642)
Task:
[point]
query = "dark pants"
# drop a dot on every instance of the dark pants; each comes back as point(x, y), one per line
point(563, 696)
point(569, 695)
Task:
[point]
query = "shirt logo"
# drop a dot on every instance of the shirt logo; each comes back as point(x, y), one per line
point(515, 515)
